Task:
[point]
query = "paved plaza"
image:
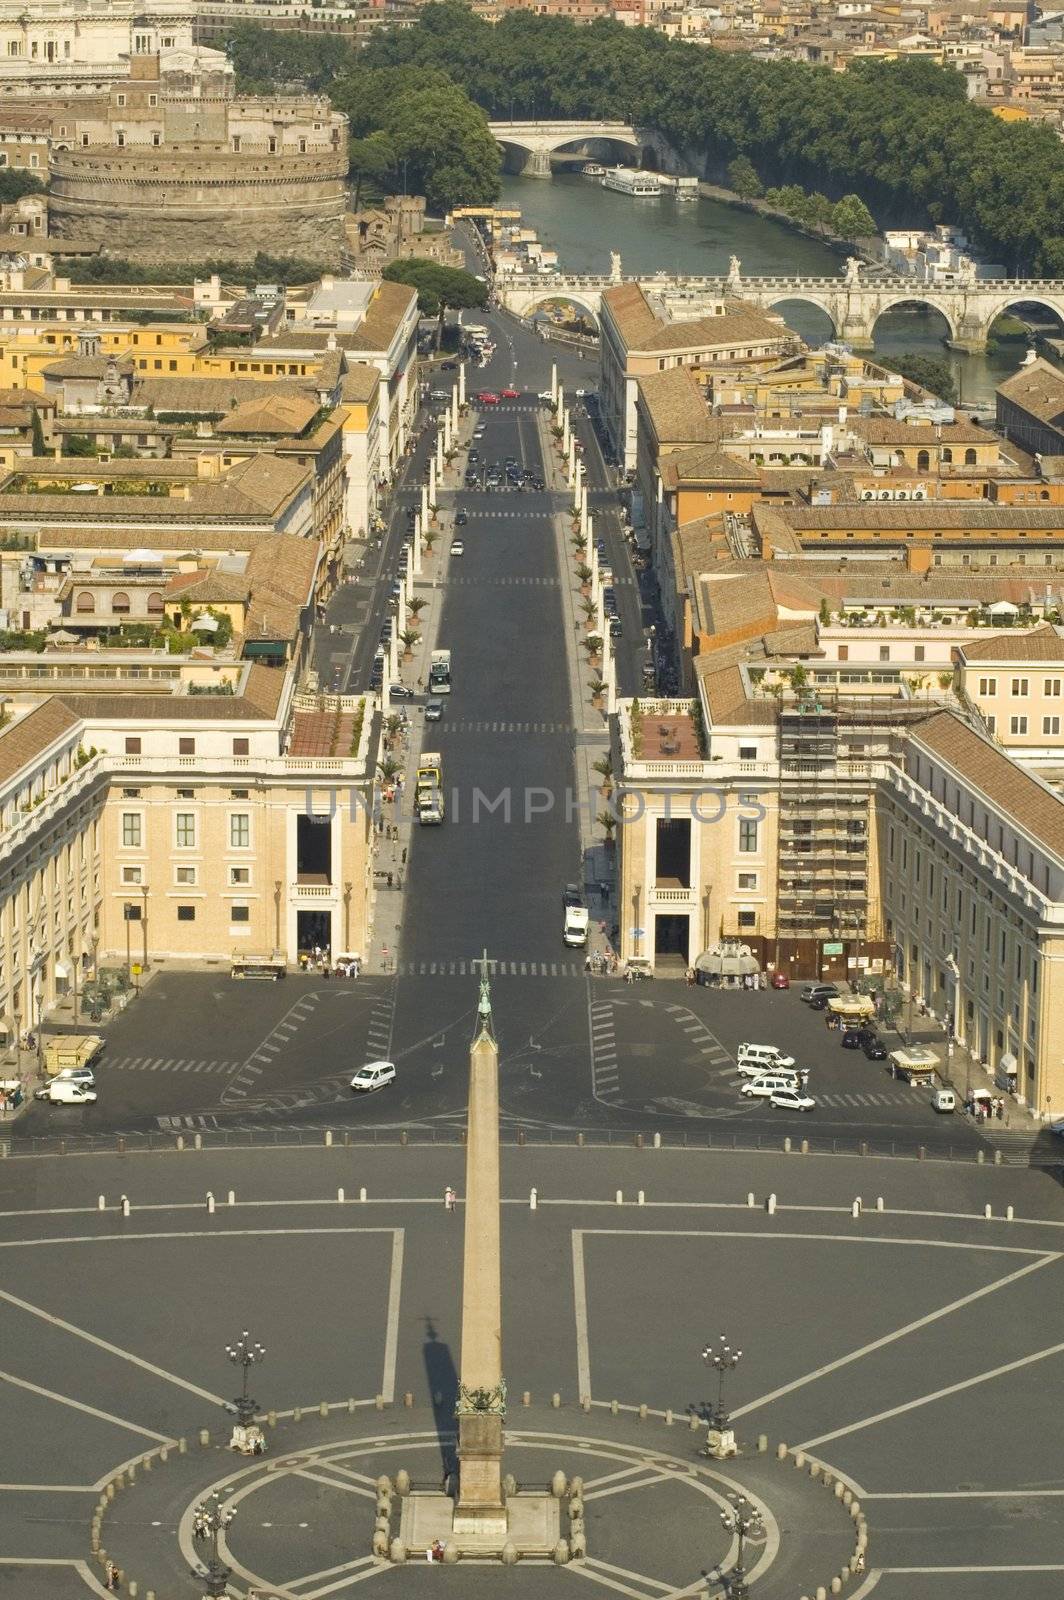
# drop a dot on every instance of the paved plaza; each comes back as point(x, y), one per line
point(912, 1352)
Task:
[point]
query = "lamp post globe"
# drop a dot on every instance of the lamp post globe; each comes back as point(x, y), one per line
point(209, 1519)
point(723, 1359)
point(245, 1353)
point(744, 1521)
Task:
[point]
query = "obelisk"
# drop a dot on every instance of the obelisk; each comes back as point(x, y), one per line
point(480, 1509)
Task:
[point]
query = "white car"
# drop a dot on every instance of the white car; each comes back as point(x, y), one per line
point(791, 1100)
point(457, 547)
point(753, 1059)
point(374, 1075)
point(545, 394)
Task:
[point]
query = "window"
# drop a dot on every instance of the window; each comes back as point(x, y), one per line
point(185, 830)
point(748, 835)
point(747, 880)
point(239, 875)
point(84, 138)
point(186, 746)
point(918, 653)
point(131, 830)
point(153, 99)
point(186, 876)
point(120, 99)
point(748, 752)
point(1017, 725)
point(132, 747)
point(1051, 725)
point(1019, 687)
point(241, 747)
point(988, 686)
point(120, 138)
point(240, 831)
point(131, 874)
point(884, 652)
point(186, 794)
point(239, 913)
point(272, 146)
point(155, 604)
point(844, 652)
point(991, 724)
point(130, 794)
point(748, 919)
point(1051, 687)
point(120, 603)
point(85, 603)
point(186, 913)
point(969, 458)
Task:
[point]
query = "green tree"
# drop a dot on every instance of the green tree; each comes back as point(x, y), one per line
point(373, 165)
point(851, 218)
point(439, 289)
point(743, 178)
point(79, 444)
point(929, 373)
point(38, 434)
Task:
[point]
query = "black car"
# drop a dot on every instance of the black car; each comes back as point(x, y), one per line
point(819, 1002)
point(851, 1039)
point(460, 519)
point(873, 1047)
point(399, 691)
point(474, 455)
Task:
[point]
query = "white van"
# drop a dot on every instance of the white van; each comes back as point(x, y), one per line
point(575, 930)
point(68, 1092)
point(755, 1058)
point(944, 1100)
point(769, 1083)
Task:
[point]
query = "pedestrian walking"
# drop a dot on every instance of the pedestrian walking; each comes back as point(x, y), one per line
point(450, 1199)
point(113, 1577)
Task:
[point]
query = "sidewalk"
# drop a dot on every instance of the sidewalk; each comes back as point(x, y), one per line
point(1017, 1129)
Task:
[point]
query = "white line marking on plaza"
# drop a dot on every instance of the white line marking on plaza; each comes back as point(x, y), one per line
point(797, 1238)
point(47, 1488)
point(79, 1405)
point(84, 1572)
point(326, 1572)
point(937, 1394)
point(588, 1568)
point(395, 1289)
point(636, 1483)
point(610, 1477)
point(335, 1483)
point(898, 1333)
point(1047, 1567)
point(583, 1352)
point(956, 1494)
point(112, 1349)
point(626, 1572)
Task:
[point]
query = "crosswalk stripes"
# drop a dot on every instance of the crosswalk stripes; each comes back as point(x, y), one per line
point(500, 969)
point(508, 581)
point(604, 1051)
point(913, 1097)
point(279, 1036)
point(379, 1031)
point(465, 725)
point(168, 1064)
point(179, 1124)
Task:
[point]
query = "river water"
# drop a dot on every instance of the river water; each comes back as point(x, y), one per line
point(584, 222)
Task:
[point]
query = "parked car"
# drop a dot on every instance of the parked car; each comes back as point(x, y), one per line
point(873, 1047)
point(433, 710)
point(754, 1058)
point(399, 691)
point(792, 1100)
point(571, 895)
point(769, 1083)
point(374, 1075)
point(780, 980)
point(851, 1039)
point(820, 991)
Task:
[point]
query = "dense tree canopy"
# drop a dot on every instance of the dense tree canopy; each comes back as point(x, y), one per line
point(901, 134)
point(439, 289)
point(13, 185)
point(266, 59)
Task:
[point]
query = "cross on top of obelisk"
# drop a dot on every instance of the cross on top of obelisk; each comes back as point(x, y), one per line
point(484, 1003)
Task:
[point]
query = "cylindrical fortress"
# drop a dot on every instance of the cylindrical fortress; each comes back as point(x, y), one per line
point(197, 199)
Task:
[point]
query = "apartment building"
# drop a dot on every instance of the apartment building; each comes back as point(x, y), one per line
point(1016, 679)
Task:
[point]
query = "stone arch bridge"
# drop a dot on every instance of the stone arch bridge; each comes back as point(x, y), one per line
point(539, 141)
point(852, 303)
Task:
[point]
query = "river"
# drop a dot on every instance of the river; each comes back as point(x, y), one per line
point(584, 222)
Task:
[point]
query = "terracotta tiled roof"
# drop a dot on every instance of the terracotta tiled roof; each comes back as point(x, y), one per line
point(361, 382)
point(987, 769)
point(1039, 389)
point(885, 430)
point(728, 701)
point(898, 517)
point(275, 414)
point(676, 407)
point(30, 736)
point(1041, 644)
point(706, 464)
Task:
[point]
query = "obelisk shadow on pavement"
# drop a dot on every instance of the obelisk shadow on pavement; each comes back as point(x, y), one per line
point(442, 1376)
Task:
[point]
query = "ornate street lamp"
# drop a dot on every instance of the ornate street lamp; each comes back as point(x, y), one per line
point(209, 1519)
point(724, 1359)
point(245, 1354)
point(744, 1521)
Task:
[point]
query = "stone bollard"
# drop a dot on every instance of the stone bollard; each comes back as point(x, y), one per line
point(997, 1158)
point(821, 1592)
point(980, 1156)
point(378, 1402)
point(799, 1458)
point(560, 1554)
point(323, 1409)
point(101, 1204)
point(380, 1542)
point(614, 1407)
point(657, 1141)
point(362, 1194)
point(836, 1585)
point(125, 1205)
point(328, 1138)
point(750, 1198)
point(509, 1554)
point(781, 1452)
point(450, 1554)
point(578, 1546)
point(164, 1454)
point(620, 1197)
point(397, 1551)
point(640, 1198)
point(1009, 1214)
point(231, 1197)
point(787, 1145)
point(643, 1412)
point(847, 1496)
point(204, 1437)
point(855, 1209)
point(556, 1401)
point(197, 1141)
point(585, 1403)
point(297, 1413)
point(182, 1446)
point(814, 1469)
point(383, 1485)
point(770, 1205)
point(533, 1199)
point(132, 1589)
point(988, 1213)
point(840, 1490)
point(580, 1141)
point(921, 1152)
point(693, 1422)
point(339, 1197)
point(638, 1141)
point(402, 1483)
point(526, 1398)
point(147, 1463)
point(210, 1203)
point(879, 1202)
point(805, 1147)
point(180, 1141)
point(271, 1419)
point(762, 1443)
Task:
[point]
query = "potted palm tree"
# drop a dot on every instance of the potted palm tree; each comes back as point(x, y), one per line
point(416, 606)
point(604, 765)
point(598, 689)
point(409, 638)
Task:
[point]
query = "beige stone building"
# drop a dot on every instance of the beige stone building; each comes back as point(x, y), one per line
point(1017, 682)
